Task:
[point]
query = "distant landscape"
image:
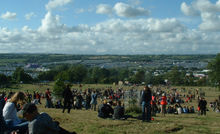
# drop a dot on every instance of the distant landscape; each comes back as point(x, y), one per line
point(37, 72)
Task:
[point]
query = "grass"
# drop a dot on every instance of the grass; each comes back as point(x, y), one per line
point(87, 122)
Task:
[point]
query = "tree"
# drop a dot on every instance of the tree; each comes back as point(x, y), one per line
point(214, 67)
point(174, 76)
point(48, 76)
point(77, 73)
point(59, 87)
point(138, 77)
point(20, 75)
point(124, 74)
point(4, 80)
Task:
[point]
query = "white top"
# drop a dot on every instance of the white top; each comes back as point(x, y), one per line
point(10, 113)
point(179, 110)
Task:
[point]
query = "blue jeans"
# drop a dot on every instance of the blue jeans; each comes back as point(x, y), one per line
point(21, 127)
point(146, 111)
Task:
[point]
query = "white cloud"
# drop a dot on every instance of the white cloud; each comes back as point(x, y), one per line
point(115, 36)
point(209, 13)
point(140, 25)
point(28, 16)
point(81, 10)
point(125, 10)
point(211, 22)
point(104, 9)
point(8, 16)
point(135, 2)
point(188, 10)
point(51, 24)
point(53, 4)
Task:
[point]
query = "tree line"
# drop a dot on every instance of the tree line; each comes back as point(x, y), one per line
point(94, 75)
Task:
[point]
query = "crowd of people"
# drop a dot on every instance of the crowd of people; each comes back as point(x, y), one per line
point(107, 102)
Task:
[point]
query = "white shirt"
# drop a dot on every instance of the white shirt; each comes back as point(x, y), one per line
point(10, 113)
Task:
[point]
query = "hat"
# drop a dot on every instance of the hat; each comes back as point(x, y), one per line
point(28, 108)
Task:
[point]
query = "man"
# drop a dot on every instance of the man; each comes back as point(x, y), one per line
point(41, 123)
point(202, 105)
point(145, 102)
point(68, 98)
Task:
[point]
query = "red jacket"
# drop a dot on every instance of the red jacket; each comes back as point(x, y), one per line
point(164, 100)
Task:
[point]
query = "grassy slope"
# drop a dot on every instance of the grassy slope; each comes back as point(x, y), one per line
point(87, 122)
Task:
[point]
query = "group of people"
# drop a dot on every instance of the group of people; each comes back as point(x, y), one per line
point(32, 122)
point(215, 105)
point(152, 101)
point(106, 110)
point(169, 101)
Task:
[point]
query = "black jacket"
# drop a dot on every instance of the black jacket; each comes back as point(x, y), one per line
point(146, 96)
point(202, 104)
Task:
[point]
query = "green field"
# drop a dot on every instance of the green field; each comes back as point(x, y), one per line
point(87, 122)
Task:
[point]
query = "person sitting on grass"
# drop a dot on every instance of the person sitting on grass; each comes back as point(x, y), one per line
point(41, 123)
point(191, 109)
point(10, 112)
point(105, 110)
point(119, 111)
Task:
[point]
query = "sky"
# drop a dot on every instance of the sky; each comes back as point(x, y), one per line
point(110, 26)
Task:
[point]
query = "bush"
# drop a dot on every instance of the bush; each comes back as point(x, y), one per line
point(133, 109)
point(59, 87)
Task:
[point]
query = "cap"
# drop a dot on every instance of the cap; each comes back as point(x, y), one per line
point(28, 108)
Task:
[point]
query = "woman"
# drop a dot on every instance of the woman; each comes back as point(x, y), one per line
point(10, 112)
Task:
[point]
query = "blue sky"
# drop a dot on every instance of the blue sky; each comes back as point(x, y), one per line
point(110, 26)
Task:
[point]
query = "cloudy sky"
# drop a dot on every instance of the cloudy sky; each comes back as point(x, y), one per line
point(110, 26)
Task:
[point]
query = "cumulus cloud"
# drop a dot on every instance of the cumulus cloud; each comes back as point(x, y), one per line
point(188, 10)
point(122, 10)
point(209, 13)
point(51, 24)
point(115, 36)
point(104, 9)
point(8, 16)
point(125, 10)
point(28, 16)
point(140, 25)
point(53, 4)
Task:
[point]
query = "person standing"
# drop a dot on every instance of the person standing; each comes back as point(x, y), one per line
point(48, 98)
point(145, 102)
point(94, 101)
point(202, 105)
point(163, 104)
point(88, 100)
point(153, 105)
point(68, 98)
